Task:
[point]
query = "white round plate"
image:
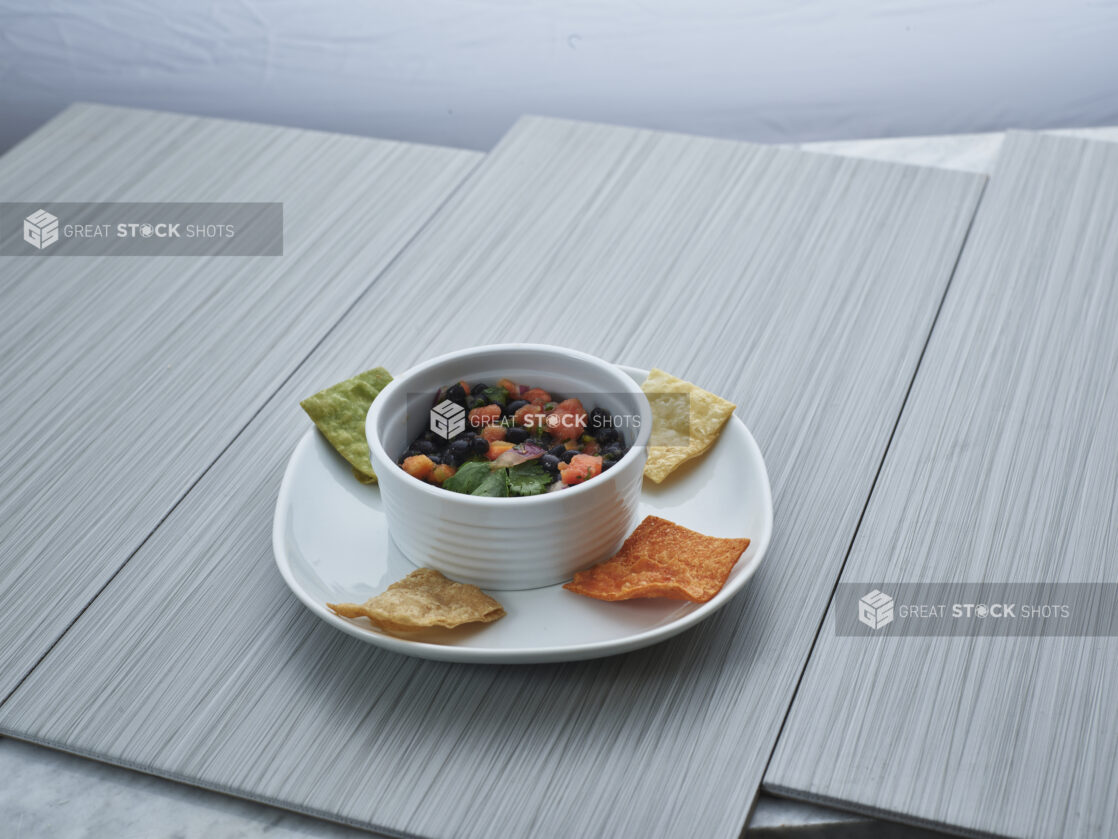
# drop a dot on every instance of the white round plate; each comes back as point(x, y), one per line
point(332, 545)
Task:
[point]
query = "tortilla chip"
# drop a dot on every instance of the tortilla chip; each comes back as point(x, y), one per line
point(662, 559)
point(362, 477)
point(423, 599)
point(679, 433)
point(339, 412)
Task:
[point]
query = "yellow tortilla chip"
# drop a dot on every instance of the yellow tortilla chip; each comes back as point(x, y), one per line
point(662, 559)
point(423, 599)
point(339, 412)
point(681, 428)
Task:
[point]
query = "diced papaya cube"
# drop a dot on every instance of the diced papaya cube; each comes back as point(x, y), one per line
point(418, 466)
point(485, 416)
point(497, 448)
point(512, 387)
point(492, 433)
point(581, 468)
point(537, 396)
point(567, 421)
point(441, 472)
point(529, 416)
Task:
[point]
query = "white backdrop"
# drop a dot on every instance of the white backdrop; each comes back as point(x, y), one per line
point(459, 73)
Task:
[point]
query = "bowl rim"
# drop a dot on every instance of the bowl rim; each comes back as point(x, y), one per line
point(636, 450)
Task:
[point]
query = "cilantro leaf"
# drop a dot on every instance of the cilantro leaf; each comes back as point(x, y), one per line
point(496, 393)
point(528, 479)
point(479, 478)
point(468, 477)
point(495, 485)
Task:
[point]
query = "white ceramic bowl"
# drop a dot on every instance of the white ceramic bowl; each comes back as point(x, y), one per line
point(509, 543)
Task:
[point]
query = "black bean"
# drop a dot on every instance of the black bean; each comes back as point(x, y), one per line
point(607, 434)
point(475, 390)
point(516, 435)
point(606, 464)
point(514, 406)
point(612, 452)
point(598, 419)
point(437, 458)
point(424, 446)
point(480, 445)
point(459, 448)
point(569, 455)
point(558, 451)
point(456, 393)
point(550, 462)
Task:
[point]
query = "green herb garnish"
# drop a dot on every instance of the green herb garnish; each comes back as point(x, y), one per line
point(480, 478)
point(528, 479)
point(468, 477)
point(496, 393)
point(495, 485)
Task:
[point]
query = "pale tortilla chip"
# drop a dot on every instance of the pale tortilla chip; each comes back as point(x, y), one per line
point(662, 559)
point(339, 412)
point(424, 598)
point(679, 433)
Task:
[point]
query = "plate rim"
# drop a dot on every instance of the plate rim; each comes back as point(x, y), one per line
point(499, 655)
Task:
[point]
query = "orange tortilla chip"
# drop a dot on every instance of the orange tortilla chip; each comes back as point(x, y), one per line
point(662, 559)
point(424, 598)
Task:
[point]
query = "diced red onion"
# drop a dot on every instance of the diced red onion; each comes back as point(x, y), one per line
point(528, 450)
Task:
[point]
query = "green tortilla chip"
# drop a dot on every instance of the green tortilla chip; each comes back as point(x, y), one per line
point(363, 478)
point(339, 412)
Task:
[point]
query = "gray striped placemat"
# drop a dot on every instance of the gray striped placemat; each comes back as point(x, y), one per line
point(126, 376)
point(799, 285)
point(1004, 468)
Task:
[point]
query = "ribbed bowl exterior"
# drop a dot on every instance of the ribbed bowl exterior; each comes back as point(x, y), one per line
point(506, 548)
point(508, 543)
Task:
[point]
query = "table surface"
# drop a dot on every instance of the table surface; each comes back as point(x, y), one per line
point(131, 375)
point(938, 150)
point(1002, 470)
point(654, 238)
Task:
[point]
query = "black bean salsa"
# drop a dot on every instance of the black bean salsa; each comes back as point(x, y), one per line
point(517, 440)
